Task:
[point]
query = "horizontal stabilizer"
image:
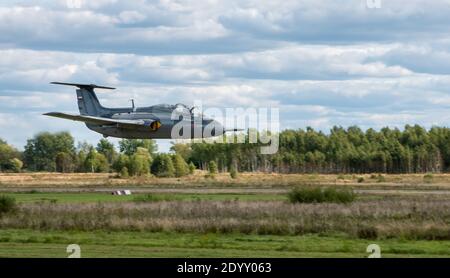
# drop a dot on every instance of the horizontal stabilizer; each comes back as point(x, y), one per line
point(99, 120)
point(233, 129)
point(81, 86)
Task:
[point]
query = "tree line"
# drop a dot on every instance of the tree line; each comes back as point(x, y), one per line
point(411, 150)
point(56, 152)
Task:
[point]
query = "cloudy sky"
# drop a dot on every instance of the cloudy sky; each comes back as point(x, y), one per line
point(372, 63)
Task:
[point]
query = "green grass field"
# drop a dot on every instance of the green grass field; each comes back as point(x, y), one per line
point(29, 243)
point(249, 217)
point(105, 197)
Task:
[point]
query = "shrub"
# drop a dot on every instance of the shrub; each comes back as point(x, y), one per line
point(180, 166)
point(122, 161)
point(163, 166)
point(367, 233)
point(360, 179)
point(233, 172)
point(16, 165)
point(320, 195)
point(124, 172)
point(212, 167)
point(381, 178)
point(7, 204)
point(140, 162)
point(428, 178)
point(191, 168)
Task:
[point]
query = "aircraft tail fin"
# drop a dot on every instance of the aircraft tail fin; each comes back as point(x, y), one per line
point(81, 86)
point(88, 103)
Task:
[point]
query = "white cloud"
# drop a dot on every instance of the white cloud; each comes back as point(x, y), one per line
point(131, 17)
point(322, 63)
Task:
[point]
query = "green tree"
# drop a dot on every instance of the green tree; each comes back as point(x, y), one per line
point(130, 146)
point(140, 162)
point(96, 162)
point(121, 162)
point(107, 149)
point(7, 155)
point(182, 149)
point(162, 166)
point(350, 150)
point(64, 162)
point(180, 166)
point(40, 151)
point(233, 172)
point(83, 149)
point(16, 165)
point(191, 168)
point(212, 166)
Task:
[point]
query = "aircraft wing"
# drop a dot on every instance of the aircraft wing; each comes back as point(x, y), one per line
point(131, 124)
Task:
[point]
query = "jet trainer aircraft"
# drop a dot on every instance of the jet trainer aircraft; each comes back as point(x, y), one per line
point(152, 122)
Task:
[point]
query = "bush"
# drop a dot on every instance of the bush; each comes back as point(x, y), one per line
point(191, 168)
point(139, 163)
point(163, 166)
point(124, 172)
point(233, 172)
point(367, 233)
point(122, 161)
point(212, 167)
point(180, 166)
point(7, 204)
point(360, 179)
point(320, 195)
point(16, 165)
point(381, 178)
point(428, 178)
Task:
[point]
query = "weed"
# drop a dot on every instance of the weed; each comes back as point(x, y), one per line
point(7, 204)
point(320, 195)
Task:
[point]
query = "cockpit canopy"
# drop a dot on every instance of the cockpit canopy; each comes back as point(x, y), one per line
point(169, 108)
